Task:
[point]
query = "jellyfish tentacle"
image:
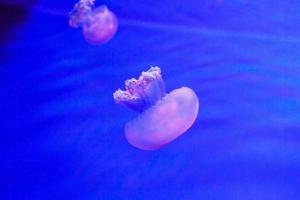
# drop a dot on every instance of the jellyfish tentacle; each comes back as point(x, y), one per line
point(157, 72)
point(151, 88)
point(142, 93)
point(128, 100)
point(133, 87)
point(80, 12)
point(153, 85)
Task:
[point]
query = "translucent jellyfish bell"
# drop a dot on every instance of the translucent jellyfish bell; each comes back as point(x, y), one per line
point(99, 24)
point(163, 117)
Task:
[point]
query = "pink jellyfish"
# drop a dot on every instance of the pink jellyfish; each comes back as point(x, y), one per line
point(163, 117)
point(99, 24)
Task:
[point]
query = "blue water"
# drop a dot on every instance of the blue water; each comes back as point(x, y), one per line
point(62, 134)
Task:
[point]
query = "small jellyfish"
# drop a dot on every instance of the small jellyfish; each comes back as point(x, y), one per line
point(163, 117)
point(99, 24)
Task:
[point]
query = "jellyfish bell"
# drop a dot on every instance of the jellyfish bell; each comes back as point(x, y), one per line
point(163, 118)
point(99, 24)
point(101, 27)
point(165, 121)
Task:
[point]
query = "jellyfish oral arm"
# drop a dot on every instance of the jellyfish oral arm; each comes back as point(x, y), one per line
point(144, 92)
point(80, 12)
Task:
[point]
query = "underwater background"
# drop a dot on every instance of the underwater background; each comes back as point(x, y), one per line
point(62, 135)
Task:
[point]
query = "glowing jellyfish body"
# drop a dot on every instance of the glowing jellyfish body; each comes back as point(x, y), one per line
point(99, 24)
point(164, 117)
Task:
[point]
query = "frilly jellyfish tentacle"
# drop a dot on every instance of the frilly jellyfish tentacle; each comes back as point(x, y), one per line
point(163, 117)
point(153, 85)
point(80, 13)
point(144, 92)
point(126, 99)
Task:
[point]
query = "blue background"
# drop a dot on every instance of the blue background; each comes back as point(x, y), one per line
point(62, 134)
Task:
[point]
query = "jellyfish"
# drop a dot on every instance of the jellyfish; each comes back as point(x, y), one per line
point(162, 117)
point(99, 24)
